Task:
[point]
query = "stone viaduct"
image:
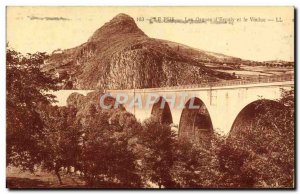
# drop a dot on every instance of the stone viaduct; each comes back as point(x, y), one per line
point(215, 105)
point(219, 103)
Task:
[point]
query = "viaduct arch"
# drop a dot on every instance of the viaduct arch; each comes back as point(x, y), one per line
point(161, 110)
point(195, 122)
point(251, 113)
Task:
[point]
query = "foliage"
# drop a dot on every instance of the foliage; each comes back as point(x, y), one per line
point(26, 87)
point(108, 159)
point(157, 160)
point(60, 141)
point(194, 165)
point(261, 154)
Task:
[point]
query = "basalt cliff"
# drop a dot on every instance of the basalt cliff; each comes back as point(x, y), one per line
point(119, 55)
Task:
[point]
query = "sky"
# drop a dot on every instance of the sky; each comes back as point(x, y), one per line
point(45, 29)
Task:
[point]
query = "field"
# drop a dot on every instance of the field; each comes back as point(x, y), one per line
point(19, 179)
point(255, 71)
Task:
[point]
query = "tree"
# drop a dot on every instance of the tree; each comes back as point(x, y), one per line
point(26, 88)
point(261, 153)
point(108, 159)
point(158, 141)
point(60, 143)
point(232, 160)
point(195, 165)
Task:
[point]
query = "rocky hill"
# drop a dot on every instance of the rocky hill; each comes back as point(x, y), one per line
point(119, 55)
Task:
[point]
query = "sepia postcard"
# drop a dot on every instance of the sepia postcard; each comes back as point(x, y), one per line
point(150, 97)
